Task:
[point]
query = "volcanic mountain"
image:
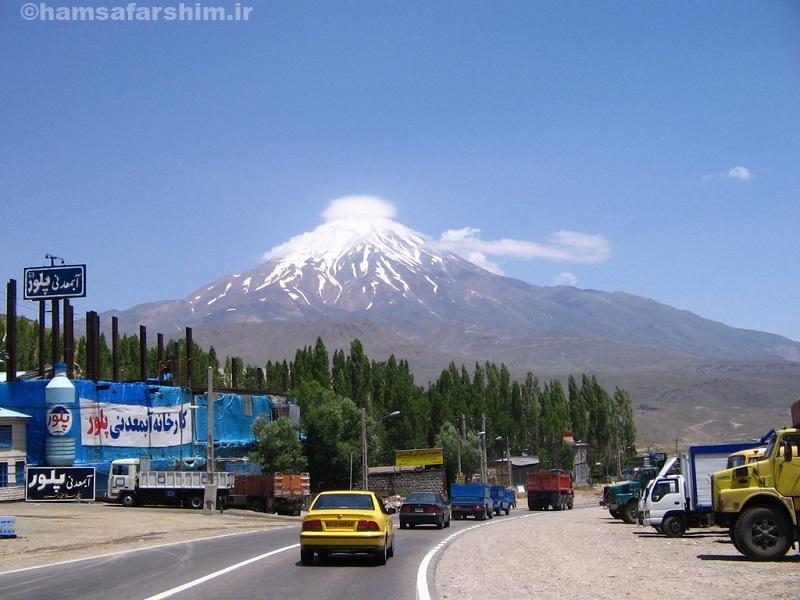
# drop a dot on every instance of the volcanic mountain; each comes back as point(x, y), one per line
point(401, 292)
point(381, 271)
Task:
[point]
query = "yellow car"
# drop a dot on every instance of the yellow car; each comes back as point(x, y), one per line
point(351, 522)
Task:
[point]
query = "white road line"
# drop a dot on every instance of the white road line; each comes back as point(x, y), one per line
point(422, 572)
point(132, 550)
point(210, 576)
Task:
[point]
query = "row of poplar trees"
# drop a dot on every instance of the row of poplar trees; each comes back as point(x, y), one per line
point(526, 417)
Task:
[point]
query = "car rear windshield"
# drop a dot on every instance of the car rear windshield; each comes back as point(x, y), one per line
point(421, 497)
point(361, 501)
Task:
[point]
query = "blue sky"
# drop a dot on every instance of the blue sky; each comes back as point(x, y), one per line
point(167, 154)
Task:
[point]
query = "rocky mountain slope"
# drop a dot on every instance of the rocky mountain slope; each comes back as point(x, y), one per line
point(402, 293)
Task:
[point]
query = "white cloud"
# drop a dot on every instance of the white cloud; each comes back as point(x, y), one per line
point(739, 173)
point(565, 278)
point(571, 246)
point(458, 235)
point(349, 218)
point(478, 258)
point(359, 207)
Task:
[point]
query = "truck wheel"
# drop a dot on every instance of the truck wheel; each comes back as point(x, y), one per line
point(732, 535)
point(570, 501)
point(508, 511)
point(531, 504)
point(128, 500)
point(673, 526)
point(614, 513)
point(629, 513)
point(306, 556)
point(762, 533)
point(196, 501)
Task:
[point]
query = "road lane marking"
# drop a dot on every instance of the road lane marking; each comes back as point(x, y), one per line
point(422, 572)
point(216, 574)
point(131, 550)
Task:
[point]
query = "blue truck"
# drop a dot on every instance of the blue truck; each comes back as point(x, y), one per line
point(473, 499)
point(500, 500)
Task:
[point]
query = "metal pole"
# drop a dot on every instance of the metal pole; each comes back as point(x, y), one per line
point(458, 451)
point(365, 476)
point(210, 419)
point(484, 467)
point(508, 456)
point(55, 332)
point(11, 330)
point(41, 338)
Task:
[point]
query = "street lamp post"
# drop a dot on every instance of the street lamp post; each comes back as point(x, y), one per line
point(484, 473)
point(508, 458)
point(364, 457)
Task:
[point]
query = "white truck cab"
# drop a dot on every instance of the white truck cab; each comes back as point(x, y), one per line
point(122, 477)
point(665, 505)
point(132, 483)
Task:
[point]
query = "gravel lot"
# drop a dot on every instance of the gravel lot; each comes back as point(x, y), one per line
point(584, 553)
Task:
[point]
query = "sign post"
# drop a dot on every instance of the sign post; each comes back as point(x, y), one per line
point(48, 283)
point(53, 283)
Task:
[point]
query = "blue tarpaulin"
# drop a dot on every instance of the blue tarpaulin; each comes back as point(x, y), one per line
point(127, 420)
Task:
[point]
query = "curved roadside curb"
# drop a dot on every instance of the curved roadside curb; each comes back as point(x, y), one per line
point(423, 593)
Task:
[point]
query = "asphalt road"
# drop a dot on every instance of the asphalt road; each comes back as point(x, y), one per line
point(247, 565)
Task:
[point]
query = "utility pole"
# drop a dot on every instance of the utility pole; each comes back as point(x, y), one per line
point(365, 473)
point(484, 466)
point(508, 463)
point(210, 499)
point(210, 419)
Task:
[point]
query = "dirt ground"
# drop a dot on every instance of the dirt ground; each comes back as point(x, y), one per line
point(584, 553)
point(53, 531)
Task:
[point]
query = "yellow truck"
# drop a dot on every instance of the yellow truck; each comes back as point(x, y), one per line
point(745, 457)
point(759, 502)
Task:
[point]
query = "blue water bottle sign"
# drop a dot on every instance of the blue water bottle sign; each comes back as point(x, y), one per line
point(61, 412)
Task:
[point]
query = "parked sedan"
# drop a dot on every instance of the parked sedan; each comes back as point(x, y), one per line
point(424, 508)
point(350, 522)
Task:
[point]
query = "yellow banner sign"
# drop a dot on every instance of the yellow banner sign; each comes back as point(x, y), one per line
point(419, 458)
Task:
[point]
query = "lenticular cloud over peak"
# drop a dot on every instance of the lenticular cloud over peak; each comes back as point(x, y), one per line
point(359, 207)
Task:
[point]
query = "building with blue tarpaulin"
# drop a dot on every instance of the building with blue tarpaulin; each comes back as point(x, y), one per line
point(169, 425)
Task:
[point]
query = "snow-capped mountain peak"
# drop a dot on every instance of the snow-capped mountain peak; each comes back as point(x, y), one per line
point(351, 262)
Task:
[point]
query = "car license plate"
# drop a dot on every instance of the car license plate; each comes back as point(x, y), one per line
point(339, 524)
point(418, 509)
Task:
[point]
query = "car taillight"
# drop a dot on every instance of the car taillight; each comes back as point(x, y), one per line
point(367, 526)
point(312, 525)
point(479, 507)
point(430, 509)
point(405, 508)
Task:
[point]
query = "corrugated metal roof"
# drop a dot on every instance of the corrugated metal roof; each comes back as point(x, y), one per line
point(10, 414)
point(520, 461)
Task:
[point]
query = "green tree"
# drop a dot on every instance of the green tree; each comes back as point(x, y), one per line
point(333, 434)
point(448, 439)
point(277, 446)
